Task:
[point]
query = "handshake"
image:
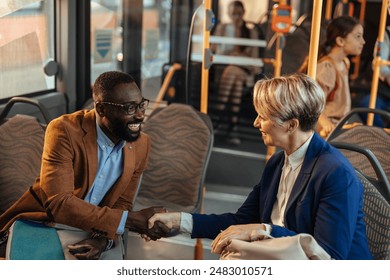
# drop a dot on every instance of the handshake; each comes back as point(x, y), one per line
point(150, 224)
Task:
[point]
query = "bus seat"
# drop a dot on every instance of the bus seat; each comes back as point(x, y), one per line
point(376, 139)
point(21, 146)
point(182, 140)
point(365, 161)
point(377, 218)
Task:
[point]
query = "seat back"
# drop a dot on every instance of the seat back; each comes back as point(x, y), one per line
point(364, 160)
point(363, 140)
point(375, 139)
point(377, 218)
point(353, 119)
point(21, 146)
point(181, 143)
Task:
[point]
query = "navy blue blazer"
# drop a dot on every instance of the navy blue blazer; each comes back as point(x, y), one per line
point(326, 202)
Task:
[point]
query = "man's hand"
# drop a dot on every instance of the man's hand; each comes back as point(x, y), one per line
point(248, 232)
point(88, 249)
point(138, 222)
point(168, 221)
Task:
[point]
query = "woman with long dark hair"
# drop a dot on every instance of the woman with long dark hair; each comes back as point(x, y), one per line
point(344, 37)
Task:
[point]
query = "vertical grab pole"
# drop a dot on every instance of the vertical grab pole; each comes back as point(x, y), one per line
point(377, 62)
point(281, 23)
point(278, 55)
point(314, 39)
point(362, 9)
point(277, 71)
point(356, 59)
point(328, 11)
point(205, 69)
point(206, 64)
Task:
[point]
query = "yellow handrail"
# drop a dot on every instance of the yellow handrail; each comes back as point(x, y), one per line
point(328, 10)
point(205, 71)
point(356, 60)
point(314, 39)
point(277, 63)
point(167, 80)
point(377, 62)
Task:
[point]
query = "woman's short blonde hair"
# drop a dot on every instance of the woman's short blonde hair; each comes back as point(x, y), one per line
point(295, 96)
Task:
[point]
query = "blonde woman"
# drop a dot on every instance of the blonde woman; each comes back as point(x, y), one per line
point(307, 187)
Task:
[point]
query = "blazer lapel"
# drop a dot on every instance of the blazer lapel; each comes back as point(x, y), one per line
point(90, 145)
point(309, 162)
point(273, 186)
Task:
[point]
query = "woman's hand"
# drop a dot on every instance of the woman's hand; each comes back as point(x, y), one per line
point(248, 232)
point(170, 219)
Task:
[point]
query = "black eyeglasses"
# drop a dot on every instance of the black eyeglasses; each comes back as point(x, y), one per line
point(130, 108)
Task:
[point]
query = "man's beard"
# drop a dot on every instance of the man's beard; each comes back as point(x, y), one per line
point(123, 131)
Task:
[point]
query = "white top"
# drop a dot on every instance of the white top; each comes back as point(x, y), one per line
point(296, 160)
point(292, 165)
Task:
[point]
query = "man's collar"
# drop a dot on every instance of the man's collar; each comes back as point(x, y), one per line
point(104, 140)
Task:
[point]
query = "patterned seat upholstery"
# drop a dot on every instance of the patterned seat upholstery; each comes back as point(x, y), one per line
point(374, 138)
point(181, 139)
point(366, 147)
point(377, 219)
point(21, 140)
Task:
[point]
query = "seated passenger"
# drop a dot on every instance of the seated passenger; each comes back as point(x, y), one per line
point(308, 187)
point(91, 165)
point(234, 77)
point(344, 37)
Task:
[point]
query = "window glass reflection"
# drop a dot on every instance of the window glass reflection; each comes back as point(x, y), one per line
point(26, 44)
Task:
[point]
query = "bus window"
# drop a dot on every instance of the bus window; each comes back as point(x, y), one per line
point(155, 42)
point(106, 36)
point(26, 43)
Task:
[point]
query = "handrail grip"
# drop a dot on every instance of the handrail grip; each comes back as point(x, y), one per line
point(175, 67)
point(231, 41)
point(27, 100)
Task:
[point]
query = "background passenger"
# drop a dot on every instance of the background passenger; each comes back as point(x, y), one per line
point(234, 77)
point(344, 37)
point(308, 187)
point(91, 165)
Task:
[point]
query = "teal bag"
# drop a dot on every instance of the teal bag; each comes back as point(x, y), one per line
point(30, 240)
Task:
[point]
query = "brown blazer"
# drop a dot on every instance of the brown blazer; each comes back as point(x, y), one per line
point(69, 166)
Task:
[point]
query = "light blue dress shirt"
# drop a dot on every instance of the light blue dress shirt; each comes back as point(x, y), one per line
point(110, 168)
